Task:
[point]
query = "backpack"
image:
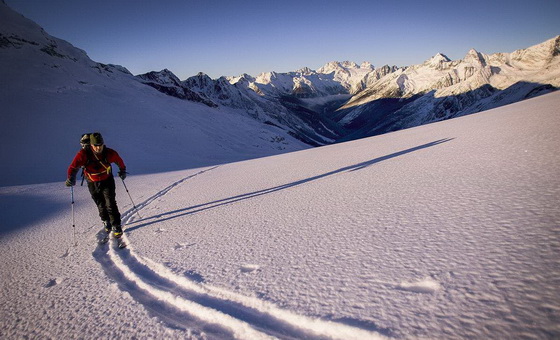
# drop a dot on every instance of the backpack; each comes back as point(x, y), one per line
point(84, 141)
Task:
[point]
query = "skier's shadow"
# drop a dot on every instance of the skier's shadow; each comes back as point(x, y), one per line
point(215, 204)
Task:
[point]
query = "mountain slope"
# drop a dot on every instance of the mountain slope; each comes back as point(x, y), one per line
point(52, 92)
point(444, 230)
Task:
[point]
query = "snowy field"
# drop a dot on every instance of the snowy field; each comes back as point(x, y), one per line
point(445, 231)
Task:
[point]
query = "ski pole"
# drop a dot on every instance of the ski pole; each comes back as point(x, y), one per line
point(134, 205)
point(83, 176)
point(73, 218)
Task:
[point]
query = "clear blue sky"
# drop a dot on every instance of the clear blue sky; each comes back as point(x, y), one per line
point(231, 37)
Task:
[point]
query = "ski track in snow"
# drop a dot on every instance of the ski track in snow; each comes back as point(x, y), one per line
point(203, 310)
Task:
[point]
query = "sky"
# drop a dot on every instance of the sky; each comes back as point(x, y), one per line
point(233, 37)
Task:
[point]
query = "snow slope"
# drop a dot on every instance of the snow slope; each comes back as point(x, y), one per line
point(52, 92)
point(449, 230)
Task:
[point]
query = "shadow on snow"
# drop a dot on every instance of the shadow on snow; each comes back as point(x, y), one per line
point(215, 204)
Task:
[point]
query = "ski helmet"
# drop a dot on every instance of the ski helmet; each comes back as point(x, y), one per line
point(96, 139)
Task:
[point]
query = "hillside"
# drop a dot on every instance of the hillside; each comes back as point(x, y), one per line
point(52, 92)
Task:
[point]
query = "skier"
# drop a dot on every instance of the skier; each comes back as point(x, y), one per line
point(96, 160)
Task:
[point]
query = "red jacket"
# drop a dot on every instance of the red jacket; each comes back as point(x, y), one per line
point(97, 167)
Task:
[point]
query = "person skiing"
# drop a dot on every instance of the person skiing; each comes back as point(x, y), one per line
point(96, 161)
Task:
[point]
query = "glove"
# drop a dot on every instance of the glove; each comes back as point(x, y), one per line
point(70, 182)
point(122, 174)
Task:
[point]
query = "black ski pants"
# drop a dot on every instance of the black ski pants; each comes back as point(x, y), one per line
point(103, 194)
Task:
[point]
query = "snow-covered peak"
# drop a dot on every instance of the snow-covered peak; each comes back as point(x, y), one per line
point(330, 67)
point(366, 65)
point(164, 76)
point(202, 74)
point(475, 57)
point(337, 66)
point(244, 78)
point(349, 64)
point(347, 73)
point(200, 81)
point(306, 71)
point(437, 61)
point(266, 77)
point(274, 82)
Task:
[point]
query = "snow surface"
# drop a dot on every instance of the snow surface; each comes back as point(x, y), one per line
point(449, 230)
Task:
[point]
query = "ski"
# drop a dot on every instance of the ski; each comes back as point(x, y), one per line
point(102, 237)
point(104, 240)
point(121, 243)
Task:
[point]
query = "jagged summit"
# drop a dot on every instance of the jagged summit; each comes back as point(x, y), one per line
point(200, 81)
point(367, 65)
point(335, 66)
point(164, 76)
point(440, 57)
point(437, 61)
point(473, 56)
point(305, 71)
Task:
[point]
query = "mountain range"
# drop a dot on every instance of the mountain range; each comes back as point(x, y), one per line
point(343, 100)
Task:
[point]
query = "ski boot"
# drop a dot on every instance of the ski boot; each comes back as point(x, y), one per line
point(117, 232)
point(103, 237)
point(107, 226)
